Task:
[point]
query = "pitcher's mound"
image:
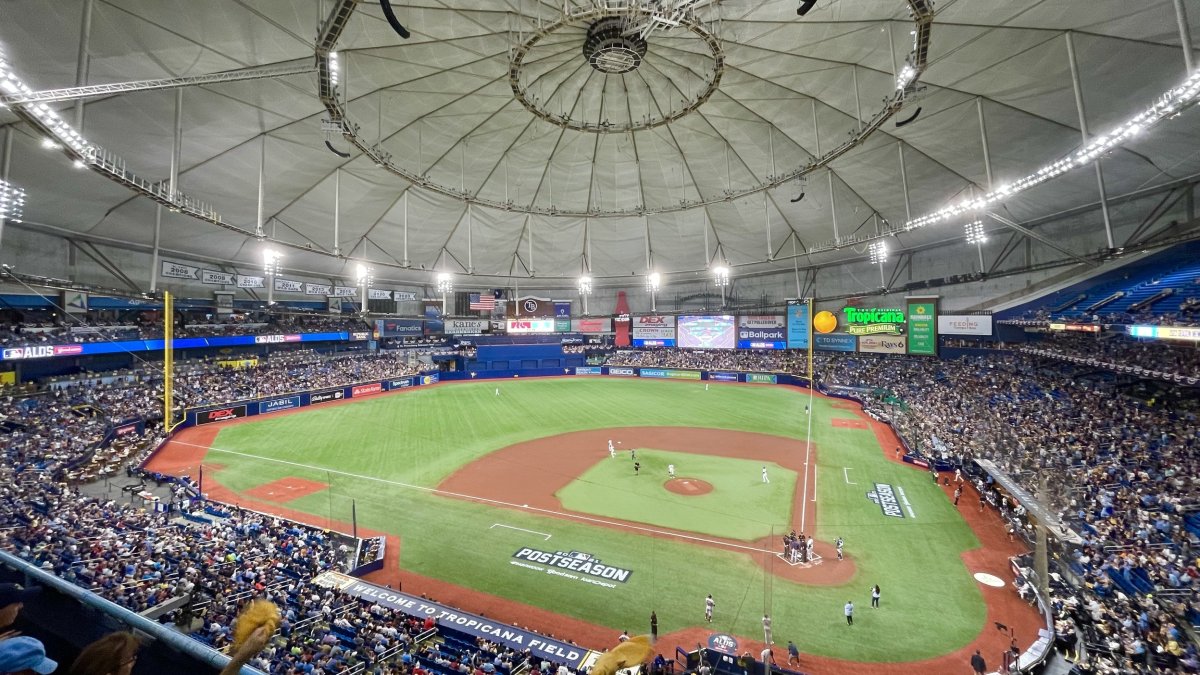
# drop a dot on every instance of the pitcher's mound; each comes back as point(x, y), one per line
point(688, 486)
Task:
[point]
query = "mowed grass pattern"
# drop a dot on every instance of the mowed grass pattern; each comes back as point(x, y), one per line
point(385, 452)
point(740, 506)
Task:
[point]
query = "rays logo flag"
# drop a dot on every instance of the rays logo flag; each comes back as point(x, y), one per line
point(483, 301)
point(885, 496)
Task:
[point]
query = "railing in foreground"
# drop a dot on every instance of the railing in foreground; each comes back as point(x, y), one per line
point(159, 632)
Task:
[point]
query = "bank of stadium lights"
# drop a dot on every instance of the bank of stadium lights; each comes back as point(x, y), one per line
point(1166, 106)
point(12, 202)
point(975, 233)
point(364, 275)
point(585, 285)
point(721, 276)
point(333, 68)
point(271, 260)
point(653, 281)
point(445, 283)
point(878, 251)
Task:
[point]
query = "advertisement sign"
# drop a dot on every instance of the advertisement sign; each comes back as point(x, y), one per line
point(922, 326)
point(706, 332)
point(277, 404)
point(562, 309)
point(39, 352)
point(221, 414)
point(366, 389)
point(873, 321)
point(964, 324)
point(1188, 333)
point(475, 625)
point(660, 328)
point(519, 326)
point(215, 277)
point(622, 372)
point(1076, 327)
point(244, 281)
point(325, 396)
point(761, 332)
point(275, 339)
point(466, 326)
point(797, 325)
point(883, 344)
point(835, 342)
point(431, 378)
point(591, 326)
point(289, 285)
point(399, 327)
point(125, 346)
point(360, 335)
point(589, 370)
point(762, 378)
point(669, 374)
point(562, 324)
point(723, 377)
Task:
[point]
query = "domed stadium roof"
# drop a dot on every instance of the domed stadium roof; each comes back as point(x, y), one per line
point(541, 139)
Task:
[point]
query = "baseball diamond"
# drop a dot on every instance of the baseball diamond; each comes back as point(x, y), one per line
point(432, 467)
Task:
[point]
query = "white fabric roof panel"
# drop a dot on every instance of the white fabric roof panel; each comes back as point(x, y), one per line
point(441, 104)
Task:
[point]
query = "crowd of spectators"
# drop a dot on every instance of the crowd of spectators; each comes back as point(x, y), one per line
point(59, 328)
point(1161, 360)
point(1122, 472)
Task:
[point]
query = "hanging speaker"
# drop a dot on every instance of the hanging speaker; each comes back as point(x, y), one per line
point(805, 6)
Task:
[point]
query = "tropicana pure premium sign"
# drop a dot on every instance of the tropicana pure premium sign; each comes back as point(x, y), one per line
point(874, 321)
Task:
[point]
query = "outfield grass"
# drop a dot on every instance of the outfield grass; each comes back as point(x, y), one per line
point(381, 451)
point(740, 506)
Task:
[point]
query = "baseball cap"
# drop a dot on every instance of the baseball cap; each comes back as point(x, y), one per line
point(21, 653)
point(10, 593)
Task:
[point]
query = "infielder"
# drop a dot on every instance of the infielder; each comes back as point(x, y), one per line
point(612, 452)
point(765, 479)
point(671, 470)
point(709, 603)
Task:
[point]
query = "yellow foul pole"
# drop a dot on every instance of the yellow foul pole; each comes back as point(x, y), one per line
point(168, 359)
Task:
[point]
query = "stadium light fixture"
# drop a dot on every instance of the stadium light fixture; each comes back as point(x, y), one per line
point(653, 280)
point(975, 233)
point(365, 276)
point(271, 259)
point(445, 283)
point(879, 252)
point(12, 202)
point(585, 289)
point(333, 68)
point(721, 276)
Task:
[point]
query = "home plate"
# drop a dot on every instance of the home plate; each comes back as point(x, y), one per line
point(989, 580)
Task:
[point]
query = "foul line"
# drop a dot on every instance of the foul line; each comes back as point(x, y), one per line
point(495, 525)
point(485, 500)
point(846, 473)
point(807, 461)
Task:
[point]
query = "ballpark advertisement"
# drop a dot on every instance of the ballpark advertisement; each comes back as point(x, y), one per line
point(277, 404)
point(591, 326)
point(466, 326)
point(706, 332)
point(797, 325)
point(762, 378)
point(668, 374)
point(965, 324)
point(517, 326)
point(882, 344)
point(835, 342)
point(221, 414)
point(653, 331)
point(761, 332)
point(922, 325)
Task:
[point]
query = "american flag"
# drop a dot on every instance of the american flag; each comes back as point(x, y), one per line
point(483, 301)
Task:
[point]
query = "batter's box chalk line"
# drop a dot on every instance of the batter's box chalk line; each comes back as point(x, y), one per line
point(816, 559)
point(519, 529)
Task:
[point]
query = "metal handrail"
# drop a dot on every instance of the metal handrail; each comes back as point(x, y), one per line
point(175, 640)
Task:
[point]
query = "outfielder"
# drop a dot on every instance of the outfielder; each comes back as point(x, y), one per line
point(709, 603)
point(765, 479)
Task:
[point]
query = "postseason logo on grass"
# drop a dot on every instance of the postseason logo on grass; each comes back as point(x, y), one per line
point(574, 561)
point(885, 496)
